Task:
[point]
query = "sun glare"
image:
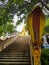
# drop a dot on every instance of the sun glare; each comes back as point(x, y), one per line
point(19, 27)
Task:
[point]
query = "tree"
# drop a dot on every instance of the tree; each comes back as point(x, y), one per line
point(5, 16)
point(9, 8)
point(9, 28)
point(47, 26)
point(1, 30)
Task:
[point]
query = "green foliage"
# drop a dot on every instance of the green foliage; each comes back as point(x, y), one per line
point(10, 28)
point(18, 7)
point(1, 30)
point(20, 2)
point(47, 29)
point(12, 7)
point(47, 22)
point(47, 26)
point(18, 22)
point(5, 16)
point(45, 57)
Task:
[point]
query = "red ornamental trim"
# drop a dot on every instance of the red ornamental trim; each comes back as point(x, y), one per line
point(36, 24)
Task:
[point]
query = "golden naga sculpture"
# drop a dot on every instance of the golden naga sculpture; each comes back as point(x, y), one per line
point(35, 22)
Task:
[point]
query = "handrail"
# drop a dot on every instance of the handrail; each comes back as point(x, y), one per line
point(30, 46)
point(7, 43)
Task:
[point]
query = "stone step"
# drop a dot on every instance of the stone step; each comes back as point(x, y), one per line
point(14, 60)
point(13, 53)
point(15, 57)
point(15, 63)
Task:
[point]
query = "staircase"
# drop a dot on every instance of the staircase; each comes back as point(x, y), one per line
point(15, 55)
point(18, 59)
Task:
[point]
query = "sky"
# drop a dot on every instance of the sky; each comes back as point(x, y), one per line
point(19, 27)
